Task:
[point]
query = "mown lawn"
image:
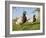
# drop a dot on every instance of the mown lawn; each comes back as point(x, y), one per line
point(26, 26)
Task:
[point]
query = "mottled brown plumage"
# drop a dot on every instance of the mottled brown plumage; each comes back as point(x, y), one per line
point(34, 19)
point(24, 18)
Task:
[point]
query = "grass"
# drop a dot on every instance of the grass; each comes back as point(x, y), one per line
point(26, 26)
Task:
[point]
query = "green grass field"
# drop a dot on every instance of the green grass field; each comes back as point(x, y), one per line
point(26, 26)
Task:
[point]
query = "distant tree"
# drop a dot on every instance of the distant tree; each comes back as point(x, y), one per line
point(24, 18)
